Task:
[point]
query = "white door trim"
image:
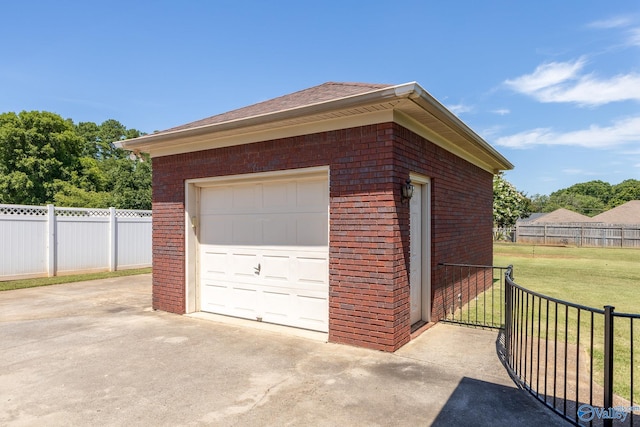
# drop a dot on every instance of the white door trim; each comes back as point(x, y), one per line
point(425, 187)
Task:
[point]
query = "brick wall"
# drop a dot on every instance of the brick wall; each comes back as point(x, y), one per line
point(369, 226)
point(461, 207)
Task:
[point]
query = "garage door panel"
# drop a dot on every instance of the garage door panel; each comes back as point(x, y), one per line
point(246, 230)
point(277, 306)
point(312, 229)
point(313, 270)
point(244, 302)
point(278, 197)
point(265, 246)
point(276, 268)
point(214, 296)
point(278, 229)
point(215, 263)
point(243, 266)
point(311, 195)
point(215, 200)
point(243, 198)
point(216, 229)
point(309, 308)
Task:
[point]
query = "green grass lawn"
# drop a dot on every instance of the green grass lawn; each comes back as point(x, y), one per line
point(46, 281)
point(593, 277)
point(589, 276)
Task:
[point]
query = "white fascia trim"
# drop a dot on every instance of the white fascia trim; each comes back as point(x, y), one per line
point(419, 129)
point(426, 101)
point(144, 143)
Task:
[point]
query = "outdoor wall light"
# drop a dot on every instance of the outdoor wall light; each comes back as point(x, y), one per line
point(407, 191)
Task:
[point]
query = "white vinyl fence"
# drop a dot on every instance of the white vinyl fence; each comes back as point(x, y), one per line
point(38, 241)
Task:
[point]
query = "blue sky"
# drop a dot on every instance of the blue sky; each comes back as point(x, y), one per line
point(553, 85)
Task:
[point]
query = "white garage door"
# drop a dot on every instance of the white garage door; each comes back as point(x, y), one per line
point(263, 251)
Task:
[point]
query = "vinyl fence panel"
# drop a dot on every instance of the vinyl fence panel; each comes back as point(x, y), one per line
point(134, 242)
point(23, 240)
point(46, 241)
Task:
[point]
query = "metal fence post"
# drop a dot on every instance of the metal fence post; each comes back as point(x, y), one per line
point(508, 311)
point(608, 361)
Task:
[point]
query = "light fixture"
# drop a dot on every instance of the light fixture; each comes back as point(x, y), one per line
point(407, 191)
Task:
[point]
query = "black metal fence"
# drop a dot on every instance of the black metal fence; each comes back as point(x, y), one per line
point(582, 362)
point(471, 294)
point(577, 360)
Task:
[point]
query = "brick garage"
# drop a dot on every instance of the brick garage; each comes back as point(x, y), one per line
point(362, 142)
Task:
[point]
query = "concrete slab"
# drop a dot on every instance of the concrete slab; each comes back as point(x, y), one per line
point(94, 353)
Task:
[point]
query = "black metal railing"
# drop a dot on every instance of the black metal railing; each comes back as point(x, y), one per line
point(577, 360)
point(471, 295)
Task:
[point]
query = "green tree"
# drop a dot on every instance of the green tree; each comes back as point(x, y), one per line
point(131, 183)
point(509, 204)
point(46, 159)
point(108, 177)
point(36, 149)
point(539, 203)
point(581, 203)
point(626, 191)
point(99, 139)
point(588, 198)
point(597, 189)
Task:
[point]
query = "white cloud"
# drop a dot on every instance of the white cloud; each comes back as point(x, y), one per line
point(460, 108)
point(491, 132)
point(563, 82)
point(573, 171)
point(615, 22)
point(591, 91)
point(619, 133)
point(502, 111)
point(626, 22)
point(634, 37)
point(578, 172)
point(545, 76)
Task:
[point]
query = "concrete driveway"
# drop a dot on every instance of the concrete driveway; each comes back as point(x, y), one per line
point(94, 353)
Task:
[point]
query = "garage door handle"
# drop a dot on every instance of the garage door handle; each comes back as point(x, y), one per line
point(257, 269)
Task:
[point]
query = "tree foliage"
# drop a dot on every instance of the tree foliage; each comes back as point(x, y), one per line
point(47, 159)
point(509, 204)
point(588, 198)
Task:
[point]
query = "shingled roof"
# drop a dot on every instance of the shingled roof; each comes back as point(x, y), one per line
point(628, 213)
point(327, 107)
point(563, 215)
point(313, 95)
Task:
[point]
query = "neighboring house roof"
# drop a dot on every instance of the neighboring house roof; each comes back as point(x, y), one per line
point(329, 106)
point(563, 215)
point(628, 213)
point(531, 218)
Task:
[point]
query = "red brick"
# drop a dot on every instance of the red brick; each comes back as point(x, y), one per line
point(369, 225)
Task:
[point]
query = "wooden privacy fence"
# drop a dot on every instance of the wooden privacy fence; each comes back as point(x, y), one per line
point(38, 241)
point(580, 234)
